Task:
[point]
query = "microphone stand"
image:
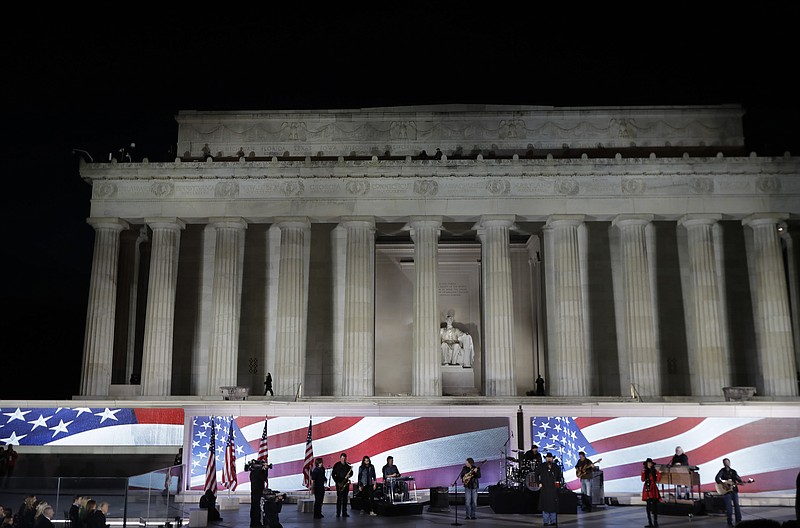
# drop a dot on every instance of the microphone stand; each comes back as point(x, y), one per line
point(455, 520)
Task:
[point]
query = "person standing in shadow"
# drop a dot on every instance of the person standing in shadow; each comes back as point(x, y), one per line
point(539, 385)
point(268, 385)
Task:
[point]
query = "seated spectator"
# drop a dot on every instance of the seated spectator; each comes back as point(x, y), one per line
point(209, 502)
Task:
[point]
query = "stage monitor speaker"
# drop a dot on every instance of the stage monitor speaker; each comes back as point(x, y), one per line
point(714, 504)
point(440, 499)
point(567, 501)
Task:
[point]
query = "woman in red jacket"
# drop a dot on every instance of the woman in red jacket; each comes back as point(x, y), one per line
point(651, 477)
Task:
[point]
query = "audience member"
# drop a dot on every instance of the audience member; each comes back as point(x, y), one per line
point(209, 502)
point(41, 519)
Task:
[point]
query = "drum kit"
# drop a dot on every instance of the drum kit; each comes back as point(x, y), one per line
point(521, 472)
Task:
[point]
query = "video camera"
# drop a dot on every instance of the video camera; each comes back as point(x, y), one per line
point(256, 464)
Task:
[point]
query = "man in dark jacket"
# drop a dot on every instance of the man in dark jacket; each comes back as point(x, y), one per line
point(209, 502)
point(549, 475)
point(258, 481)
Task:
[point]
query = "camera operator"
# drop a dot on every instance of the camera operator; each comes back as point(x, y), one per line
point(258, 480)
point(273, 504)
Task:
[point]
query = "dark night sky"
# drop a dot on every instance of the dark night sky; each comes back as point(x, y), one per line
point(98, 85)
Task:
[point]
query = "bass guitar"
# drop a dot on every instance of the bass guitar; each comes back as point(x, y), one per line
point(726, 486)
point(471, 473)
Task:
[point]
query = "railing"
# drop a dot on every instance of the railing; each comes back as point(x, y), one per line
point(146, 499)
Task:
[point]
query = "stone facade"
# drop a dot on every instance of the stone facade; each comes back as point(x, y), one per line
point(614, 251)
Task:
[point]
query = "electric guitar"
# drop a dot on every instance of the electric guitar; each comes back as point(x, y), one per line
point(586, 470)
point(726, 486)
point(471, 473)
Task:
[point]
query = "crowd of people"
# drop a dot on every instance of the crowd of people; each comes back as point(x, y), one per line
point(34, 513)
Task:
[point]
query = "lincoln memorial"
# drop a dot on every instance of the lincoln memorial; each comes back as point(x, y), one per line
point(448, 250)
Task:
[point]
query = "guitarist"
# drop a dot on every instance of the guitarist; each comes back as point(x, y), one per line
point(341, 473)
point(729, 479)
point(469, 476)
point(583, 470)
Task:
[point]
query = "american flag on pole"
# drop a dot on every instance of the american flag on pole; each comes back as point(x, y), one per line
point(263, 450)
point(211, 466)
point(229, 478)
point(308, 462)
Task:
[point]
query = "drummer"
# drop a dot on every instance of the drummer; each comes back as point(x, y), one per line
point(533, 455)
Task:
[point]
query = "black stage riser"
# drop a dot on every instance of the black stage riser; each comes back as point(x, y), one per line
point(392, 510)
point(505, 500)
point(681, 509)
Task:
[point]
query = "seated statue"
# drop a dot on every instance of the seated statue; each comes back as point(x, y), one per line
point(457, 346)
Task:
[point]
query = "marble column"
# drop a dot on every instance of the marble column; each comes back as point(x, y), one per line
point(98, 351)
point(160, 319)
point(125, 332)
point(493, 232)
point(339, 277)
point(291, 323)
point(359, 316)
point(426, 352)
point(709, 361)
point(638, 336)
point(226, 302)
point(771, 305)
point(569, 362)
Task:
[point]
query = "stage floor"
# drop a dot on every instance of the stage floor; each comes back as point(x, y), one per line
point(607, 517)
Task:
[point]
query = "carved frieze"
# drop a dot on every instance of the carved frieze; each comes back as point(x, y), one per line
point(701, 185)
point(567, 187)
point(633, 186)
point(358, 187)
point(499, 187)
point(426, 187)
point(226, 189)
point(104, 189)
point(768, 185)
point(293, 188)
point(162, 189)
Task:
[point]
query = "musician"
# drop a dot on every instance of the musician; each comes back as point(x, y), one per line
point(390, 470)
point(341, 473)
point(728, 477)
point(650, 494)
point(391, 486)
point(318, 484)
point(680, 459)
point(366, 484)
point(583, 470)
point(533, 455)
point(470, 474)
point(549, 476)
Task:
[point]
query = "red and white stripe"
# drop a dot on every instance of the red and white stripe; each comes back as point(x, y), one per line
point(229, 476)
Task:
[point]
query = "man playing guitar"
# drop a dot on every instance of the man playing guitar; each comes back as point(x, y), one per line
point(583, 470)
point(728, 482)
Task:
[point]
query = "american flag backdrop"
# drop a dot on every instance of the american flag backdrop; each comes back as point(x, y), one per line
point(90, 426)
point(761, 448)
point(432, 450)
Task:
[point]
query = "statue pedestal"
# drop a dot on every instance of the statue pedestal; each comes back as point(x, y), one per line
point(458, 381)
